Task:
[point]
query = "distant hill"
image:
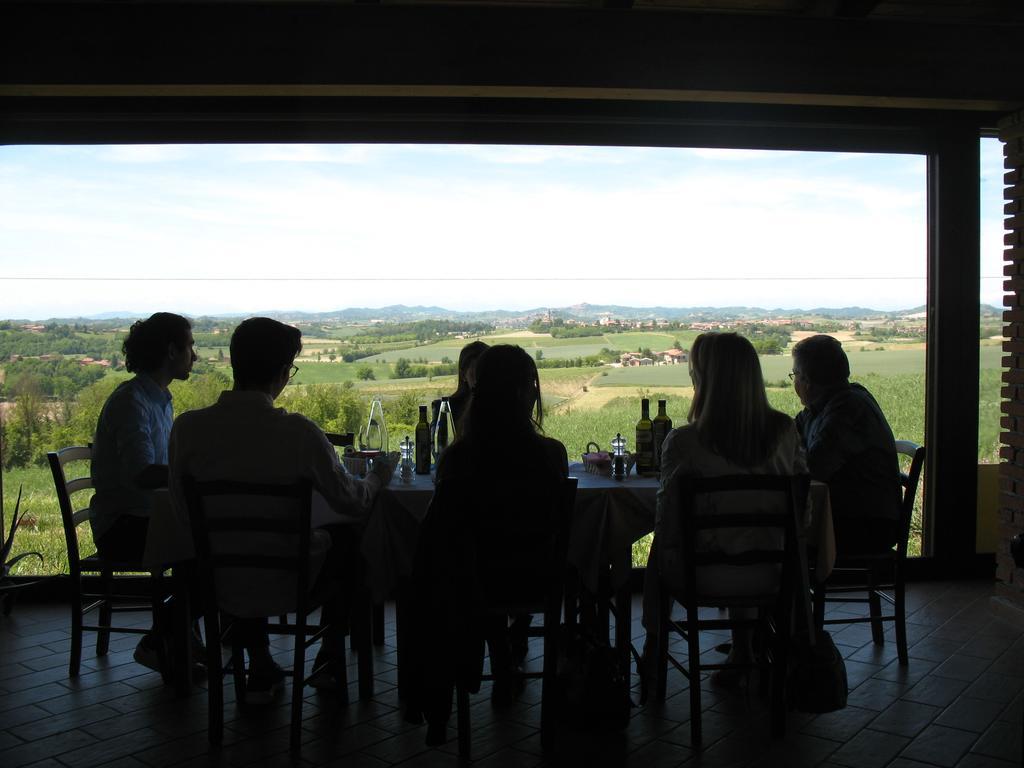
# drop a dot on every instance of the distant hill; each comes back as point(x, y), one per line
point(582, 312)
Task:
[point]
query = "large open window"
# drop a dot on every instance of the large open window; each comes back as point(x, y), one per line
point(601, 261)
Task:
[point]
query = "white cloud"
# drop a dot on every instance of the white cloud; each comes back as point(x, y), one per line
point(376, 225)
point(143, 153)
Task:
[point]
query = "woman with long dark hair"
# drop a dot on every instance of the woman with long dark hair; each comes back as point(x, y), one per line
point(500, 467)
point(504, 420)
point(731, 430)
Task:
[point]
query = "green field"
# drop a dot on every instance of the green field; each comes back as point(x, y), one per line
point(895, 375)
point(549, 347)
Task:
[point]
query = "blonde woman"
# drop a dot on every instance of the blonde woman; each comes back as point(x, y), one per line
point(731, 429)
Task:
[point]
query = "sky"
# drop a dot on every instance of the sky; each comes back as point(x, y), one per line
point(211, 229)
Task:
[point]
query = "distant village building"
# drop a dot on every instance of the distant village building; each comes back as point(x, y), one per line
point(674, 356)
point(633, 359)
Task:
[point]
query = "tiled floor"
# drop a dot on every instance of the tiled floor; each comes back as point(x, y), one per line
point(959, 703)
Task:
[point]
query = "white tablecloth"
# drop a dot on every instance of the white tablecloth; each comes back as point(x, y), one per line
point(610, 515)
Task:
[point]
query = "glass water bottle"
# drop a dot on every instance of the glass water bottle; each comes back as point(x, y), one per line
point(374, 437)
point(444, 429)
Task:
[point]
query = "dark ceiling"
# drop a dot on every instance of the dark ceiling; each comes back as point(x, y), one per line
point(294, 69)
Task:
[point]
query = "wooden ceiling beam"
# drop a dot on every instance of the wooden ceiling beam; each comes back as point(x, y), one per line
point(70, 49)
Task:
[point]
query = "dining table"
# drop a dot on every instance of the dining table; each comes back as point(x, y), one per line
point(610, 515)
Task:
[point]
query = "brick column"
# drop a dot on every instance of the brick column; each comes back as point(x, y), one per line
point(1011, 469)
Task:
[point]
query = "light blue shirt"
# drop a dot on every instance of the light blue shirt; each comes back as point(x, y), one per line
point(133, 432)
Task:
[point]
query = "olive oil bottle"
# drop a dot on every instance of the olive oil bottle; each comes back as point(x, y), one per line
point(645, 440)
point(423, 443)
point(662, 425)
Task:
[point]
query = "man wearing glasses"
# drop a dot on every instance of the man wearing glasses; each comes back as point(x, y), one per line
point(850, 447)
point(244, 437)
point(129, 450)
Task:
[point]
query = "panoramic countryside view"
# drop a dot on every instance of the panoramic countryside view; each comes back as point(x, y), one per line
point(604, 264)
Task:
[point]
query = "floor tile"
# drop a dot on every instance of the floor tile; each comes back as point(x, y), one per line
point(959, 702)
point(1001, 740)
point(969, 714)
point(940, 746)
point(905, 718)
point(869, 749)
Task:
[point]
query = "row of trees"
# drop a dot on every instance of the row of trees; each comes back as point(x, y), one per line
point(422, 330)
point(55, 339)
point(406, 369)
point(62, 378)
point(32, 424)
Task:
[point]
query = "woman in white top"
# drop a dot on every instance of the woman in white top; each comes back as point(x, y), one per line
point(731, 430)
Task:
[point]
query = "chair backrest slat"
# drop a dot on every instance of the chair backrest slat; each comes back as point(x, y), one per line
point(766, 502)
point(766, 519)
point(78, 484)
point(909, 480)
point(222, 516)
point(65, 489)
point(517, 560)
point(750, 557)
point(257, 561)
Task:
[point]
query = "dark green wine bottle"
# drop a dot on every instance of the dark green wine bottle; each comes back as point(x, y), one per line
point(645, 440)
point(662, 425)
point(423, 443)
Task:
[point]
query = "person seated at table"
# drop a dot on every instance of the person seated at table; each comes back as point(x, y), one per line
point(850, 446)
point(502, 466)
point(459, 399)
point(129, 449)
point(731, 430)
point(244, 437)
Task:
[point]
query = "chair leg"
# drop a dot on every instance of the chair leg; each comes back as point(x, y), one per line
point(661, 670)
point(298, 682)
point(181, 631)
point(572, 597)
point(361, 636)
point(875, 606)
point(215, 679)
point(162, 630)
point(401, 643)
point(238, 667)
point(548, 681)
point(462, 718)
point(780, 661)
point(378, 626)
point(76, 627)
point(106, 613)
point(693, 662)
point(900, 600)
point(819, 605)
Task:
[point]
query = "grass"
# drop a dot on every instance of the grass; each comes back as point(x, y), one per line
point(895, 377)
point(324, 372)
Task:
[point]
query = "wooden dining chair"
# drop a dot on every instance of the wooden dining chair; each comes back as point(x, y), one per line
point(877, 577)
point(509, 570)
point(107, 601)
point(230, 521)
point(522, 570)
point(768, 503)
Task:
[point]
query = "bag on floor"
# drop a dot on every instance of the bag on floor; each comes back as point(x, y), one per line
point(817, 679)
point(593, 690)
